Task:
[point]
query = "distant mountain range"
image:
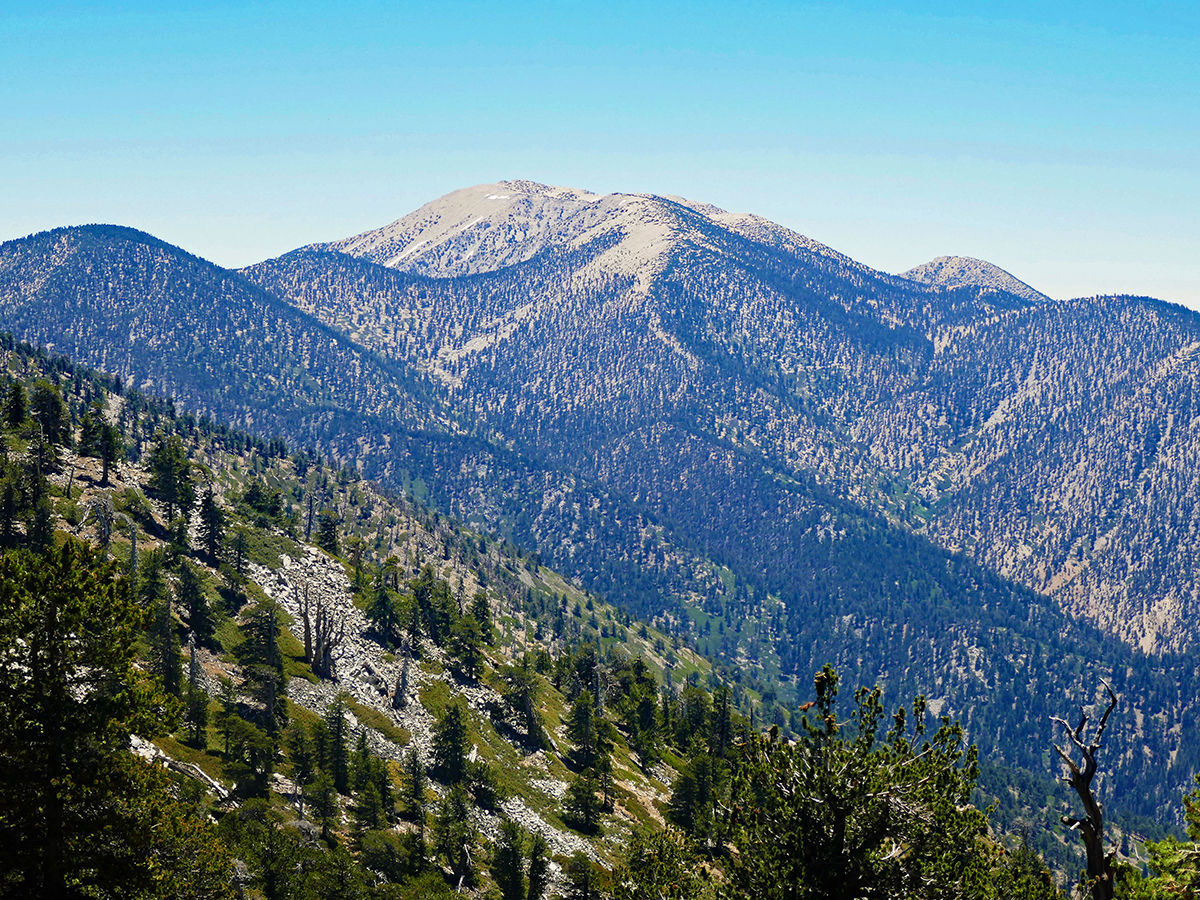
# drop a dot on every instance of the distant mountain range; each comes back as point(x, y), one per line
point(942, 480)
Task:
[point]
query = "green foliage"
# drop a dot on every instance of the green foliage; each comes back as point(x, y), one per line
point(383, 612)
point(332, 741)
point(1174, 863)
point(519, 690)
point(166, 661)
point(465, 648)
point(450, 745)
point(661, 865)
point(78, 814)
point(212, 525)
point(850, 811)
point(192, 598)
point(327, 531)
point(581, 805)
point(262, 666)
point(538, 871)
point(48, 410)
point(16, 405)
point(454, 834)
point(171, 475)
point(508, 859)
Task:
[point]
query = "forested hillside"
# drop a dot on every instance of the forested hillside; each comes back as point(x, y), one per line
point(400, 708)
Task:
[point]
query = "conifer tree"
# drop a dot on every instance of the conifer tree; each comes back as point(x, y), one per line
point(166, 660)
point(414, 771)
point(196, 713)
point(304, 760)
point(212, 524)
point(465, 648)
point(191, 597)
point(507, 865)
point(70, 696)
point(325, 804)
point(450, 745)
point(171, 476)
point(47, 408)
point(262, 665)
point(454, 834)
point(327, 531)
point(539, 867)
point(336, 755)
point(16, 406)
point(382, 613)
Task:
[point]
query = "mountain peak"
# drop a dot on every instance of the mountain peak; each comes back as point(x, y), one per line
point(492, 226)
point(963, 271)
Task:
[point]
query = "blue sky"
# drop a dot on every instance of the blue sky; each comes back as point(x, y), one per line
point(1062, 144)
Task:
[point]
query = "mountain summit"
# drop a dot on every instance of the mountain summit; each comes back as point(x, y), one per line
point(492, 226)
point(966, 271)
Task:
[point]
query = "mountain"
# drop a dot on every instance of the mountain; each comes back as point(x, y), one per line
point(777, 454)
point(965, 271)
point(597, 333)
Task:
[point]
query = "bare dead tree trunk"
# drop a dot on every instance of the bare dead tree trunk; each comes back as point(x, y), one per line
point(1079, 776)
point(322, 633)
point(400, 697)
point(306, 618)
point(327, 635)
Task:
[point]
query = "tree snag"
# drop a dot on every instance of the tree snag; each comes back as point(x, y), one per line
point(1079, 776)
point(322, 634)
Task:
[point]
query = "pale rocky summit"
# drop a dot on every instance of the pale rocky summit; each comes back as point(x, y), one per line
point(491, 226)
point(966, 271)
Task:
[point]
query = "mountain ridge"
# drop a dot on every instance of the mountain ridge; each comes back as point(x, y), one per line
point(752, 441)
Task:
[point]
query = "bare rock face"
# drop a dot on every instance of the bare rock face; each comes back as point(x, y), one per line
point(363, 673)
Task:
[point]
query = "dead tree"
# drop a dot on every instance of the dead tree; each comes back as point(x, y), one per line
point(322, 634)
point(400, 697)
point(1079, 776)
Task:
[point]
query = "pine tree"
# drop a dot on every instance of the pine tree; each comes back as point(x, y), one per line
point(191, 597)
point(382, 613)
point(112, 449)
point(368, 811)
point(327, 531)
point(16, 406)
point(465, 648)
point(581, 806)
point(481, 612)
point(450, 745)
point(414, 771)
point(336, 759)
point(196, 714)
point(166, 660)
point(47, 408)
point(539, 868)
point(171, 476)
point(581, 879)
point(212, 524)
point(325, 804)
point(304, 760)
point(71, 694)
point(507, 866)
point(360, 762)
point(454, 834)
point(262, 665)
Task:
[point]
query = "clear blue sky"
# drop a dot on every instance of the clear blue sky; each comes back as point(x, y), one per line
point(1061, 141)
